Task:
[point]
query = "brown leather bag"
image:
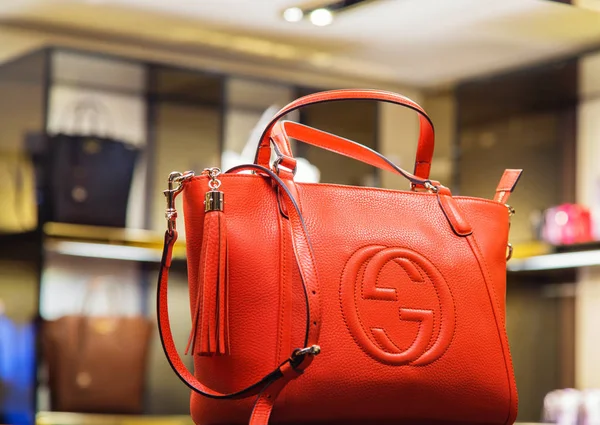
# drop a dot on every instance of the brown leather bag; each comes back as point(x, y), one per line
point(97, 364)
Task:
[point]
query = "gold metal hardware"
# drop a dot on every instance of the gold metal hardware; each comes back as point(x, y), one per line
point(104, 326)
point(312, 350)
point(279, 159)
point(214, 183)
point(176, 182)
point(83, 379)
point(427, 185)
point(92, 147)
point(79, 194)
point(509, 251)
point(511, 210)
point(509, 247)
point(214, 200)
point(430, 187)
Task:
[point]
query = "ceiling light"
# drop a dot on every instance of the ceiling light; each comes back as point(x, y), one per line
point(293, 14)
point(321, 17)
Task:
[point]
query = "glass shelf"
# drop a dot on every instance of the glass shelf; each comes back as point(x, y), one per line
point(104, 242)
point(543, 257)
point(562, 260)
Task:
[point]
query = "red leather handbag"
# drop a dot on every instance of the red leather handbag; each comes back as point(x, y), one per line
point(345, 304)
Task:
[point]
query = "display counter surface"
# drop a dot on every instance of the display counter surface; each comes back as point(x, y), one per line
point(58, 418)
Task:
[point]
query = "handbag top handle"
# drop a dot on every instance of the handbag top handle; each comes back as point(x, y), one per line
point(273, 134)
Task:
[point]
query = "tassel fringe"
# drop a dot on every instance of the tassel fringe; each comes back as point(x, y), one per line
point(211, 318)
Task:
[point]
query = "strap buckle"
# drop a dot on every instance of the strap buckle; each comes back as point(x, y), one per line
point(313, 350)
point(299, 354)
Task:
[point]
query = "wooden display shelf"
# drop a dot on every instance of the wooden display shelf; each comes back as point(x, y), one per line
point(60, 418)
point(107, 242)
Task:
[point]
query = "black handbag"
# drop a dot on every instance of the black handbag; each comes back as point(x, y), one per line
point(90, 176)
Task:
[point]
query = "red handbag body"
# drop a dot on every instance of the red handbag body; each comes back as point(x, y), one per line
point(338, 304)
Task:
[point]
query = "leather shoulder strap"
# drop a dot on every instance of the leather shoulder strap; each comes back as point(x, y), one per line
point(299, 360)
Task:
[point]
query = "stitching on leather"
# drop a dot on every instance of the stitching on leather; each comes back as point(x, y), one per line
point(437, 294)
point(316, 280)
point(441, 312)
point(299, 200)
point(363, 326)
point(418, 270)
point(377, 282)
point(283, 259)
point(469, 199)
point(392, 341)
point(362, 286)
point(358, 344)
point(502, 334)
point(362, 292)
point(473, 200)
point(502, 196)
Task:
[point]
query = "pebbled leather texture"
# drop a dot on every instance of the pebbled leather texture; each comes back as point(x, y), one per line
point(471, 382)
point(271, 384)
point(456, 218)
point(404, 292)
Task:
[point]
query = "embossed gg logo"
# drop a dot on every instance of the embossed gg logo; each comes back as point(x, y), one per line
point(377, 278)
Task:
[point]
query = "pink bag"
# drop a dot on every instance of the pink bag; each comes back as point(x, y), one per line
point(567, 224)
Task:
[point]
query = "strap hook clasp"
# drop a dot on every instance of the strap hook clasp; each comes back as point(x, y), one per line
point(175, 185)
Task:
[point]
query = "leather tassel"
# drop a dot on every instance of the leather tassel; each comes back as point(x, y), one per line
point(211, 318)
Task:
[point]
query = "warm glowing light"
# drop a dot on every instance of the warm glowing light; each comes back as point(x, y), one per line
point(293, 14)
point(321, 17)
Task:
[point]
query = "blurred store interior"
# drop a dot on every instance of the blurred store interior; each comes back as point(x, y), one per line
point(186, 84)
